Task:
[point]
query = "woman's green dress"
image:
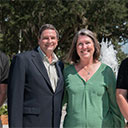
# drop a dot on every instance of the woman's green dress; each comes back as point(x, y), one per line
point(91, 104)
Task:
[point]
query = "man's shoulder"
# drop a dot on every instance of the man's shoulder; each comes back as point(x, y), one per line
point(124, 62)
point(26, 53)
point(68, 68)
point(3, 55)
point(3, 58)
point(24, 56)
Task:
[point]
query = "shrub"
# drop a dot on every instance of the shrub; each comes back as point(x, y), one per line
point(4, 110)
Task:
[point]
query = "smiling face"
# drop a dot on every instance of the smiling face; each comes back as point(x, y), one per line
point(85, 47)
point(48, 41)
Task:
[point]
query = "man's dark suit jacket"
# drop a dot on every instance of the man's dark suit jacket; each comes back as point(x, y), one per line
point(31, 100)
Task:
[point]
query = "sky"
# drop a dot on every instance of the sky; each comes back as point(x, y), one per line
point(125, 48)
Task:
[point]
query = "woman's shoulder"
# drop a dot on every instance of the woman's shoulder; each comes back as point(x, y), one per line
point(68, 67)
point(106, 67)
point(108, 72)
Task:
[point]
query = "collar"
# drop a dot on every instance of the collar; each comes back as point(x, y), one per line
point(44, 57)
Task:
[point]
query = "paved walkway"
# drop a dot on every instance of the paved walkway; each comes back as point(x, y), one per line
point(63, 115)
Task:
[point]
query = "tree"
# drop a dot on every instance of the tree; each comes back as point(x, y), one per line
point(108, 19)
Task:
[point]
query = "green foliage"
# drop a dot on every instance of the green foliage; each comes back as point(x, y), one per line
point(3, 110)
point(107, 18)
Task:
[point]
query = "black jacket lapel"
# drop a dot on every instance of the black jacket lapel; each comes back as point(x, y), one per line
point(60, 77)
point(36, 59)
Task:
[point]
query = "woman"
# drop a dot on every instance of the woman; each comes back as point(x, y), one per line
point(89, 87)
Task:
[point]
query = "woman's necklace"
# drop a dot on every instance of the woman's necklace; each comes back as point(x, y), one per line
point(88, 73)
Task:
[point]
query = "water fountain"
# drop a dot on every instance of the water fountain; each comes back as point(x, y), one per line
point(108, 55)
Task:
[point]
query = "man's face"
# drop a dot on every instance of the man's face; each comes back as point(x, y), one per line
point(48, 41)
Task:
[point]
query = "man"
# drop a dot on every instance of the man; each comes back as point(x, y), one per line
point(35, 87)
point(4, 68)
point(122, 88)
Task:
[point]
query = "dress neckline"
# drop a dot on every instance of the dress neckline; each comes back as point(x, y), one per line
point(91, 76)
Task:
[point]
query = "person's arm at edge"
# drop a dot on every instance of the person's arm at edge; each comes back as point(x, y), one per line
point(117, 115)
point(3, 93)
point(121, 95)
point(4, 79)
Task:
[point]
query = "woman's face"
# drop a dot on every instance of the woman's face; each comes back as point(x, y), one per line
point(85, 47)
